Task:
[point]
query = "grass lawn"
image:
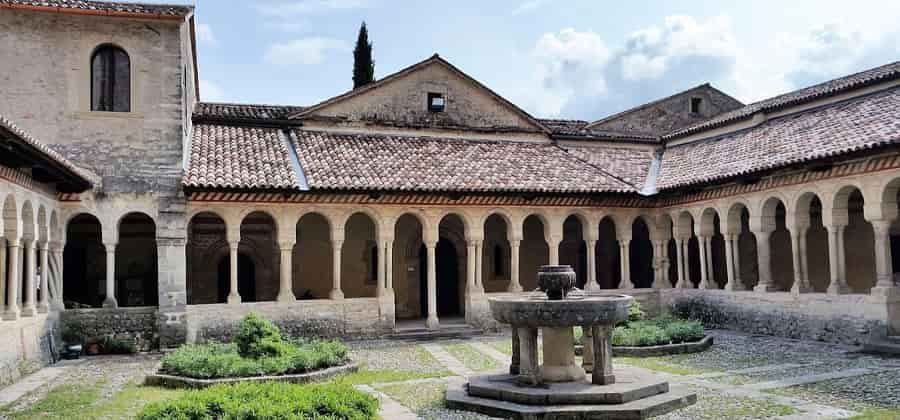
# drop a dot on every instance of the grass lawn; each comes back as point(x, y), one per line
point(84, 402)
point(366, 377)
point(658, 364)
point(471, 357)
point(417, 396)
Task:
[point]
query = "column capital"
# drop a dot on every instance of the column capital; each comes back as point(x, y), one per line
point(286, 245)
point(233, 245)
point(110, 246)
point(881, 227)
point(474, 242)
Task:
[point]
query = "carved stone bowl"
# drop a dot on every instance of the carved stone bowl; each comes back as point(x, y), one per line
point(524, 311)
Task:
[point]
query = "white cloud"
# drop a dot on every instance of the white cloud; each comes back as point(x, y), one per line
point(527, 6)
point(309, 7)
point(211, 92)
point(310, 50)
point(205, 34)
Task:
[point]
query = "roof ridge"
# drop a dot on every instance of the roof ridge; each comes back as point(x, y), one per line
point(648, 104)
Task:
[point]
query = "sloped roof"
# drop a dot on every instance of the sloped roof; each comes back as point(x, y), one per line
point(797, 97)
point(233, 111)
point(578, 129)
point(629, 164)
point(80, 176)
point(107, 8)
point(856, 124)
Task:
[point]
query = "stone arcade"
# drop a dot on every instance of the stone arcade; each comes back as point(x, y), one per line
point(132, 206)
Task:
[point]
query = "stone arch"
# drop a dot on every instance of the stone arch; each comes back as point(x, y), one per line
point(223, 216)
point(359, 253)
point(43, 227)
point(207, 239)
point(608, 260)
point(572, 248)
point(858, 237)
point(640, 250)
point(29, 230)
point(256, 211)
point(409, 268)
point(496, 252)
point(451, 263)
point(312, 270)
point(137, 271)
point(534, 249)
point(544, 220)
point(84, 261)
point(11, 223)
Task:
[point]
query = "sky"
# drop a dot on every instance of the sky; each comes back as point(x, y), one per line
point(556, 59)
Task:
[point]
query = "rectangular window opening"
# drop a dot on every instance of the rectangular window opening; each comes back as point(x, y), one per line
point(435, 102)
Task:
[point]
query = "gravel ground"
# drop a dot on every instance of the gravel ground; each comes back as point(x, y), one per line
point(714, 405)
point(813, 369)
point(427, 401)
point(471, 357)
point(394, 356)
point(878, 390)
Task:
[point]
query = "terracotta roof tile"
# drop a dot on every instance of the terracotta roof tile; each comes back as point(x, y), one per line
point(627, 163)
point(224, 156)
point(578, 128)
point(108, 7)
point(856, 124)
point(380, 162)
point(50, 154)
point(220, 110)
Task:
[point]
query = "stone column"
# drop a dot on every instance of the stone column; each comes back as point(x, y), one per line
point(710, 270)
point(738, 282)
point(603, 355)
point(515, 359)
point(44, 303)
point(838, 284)
point(529, 373)
point(3, 276)
point(171, 251)
point(884, 272)
point(625, 262)
point(730, 284)
point(389, 266)
point(587, 348)
point(799, 285)
point(234, 297)
point(432, 321)
point(110, 301)
point(554, 251)
point(804, 257)
point(764, 262)
point(12, 275)
point(29, 303)
point(704, 275)
point(56, 262)
point(682, 269)
point(286, 285)
point(336, 293)
point(381, 286)
point(591, 283)
point(514, 284)
point(471, 272)
point(479, 263)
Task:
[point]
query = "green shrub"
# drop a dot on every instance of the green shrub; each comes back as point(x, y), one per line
point(681, 331)
point(112, 345)
point(265, 401)
point(257, 337)
point(650, 335)
point(634, 312)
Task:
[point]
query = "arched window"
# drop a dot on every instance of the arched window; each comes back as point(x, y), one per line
point(498, 261)
point(110, 80)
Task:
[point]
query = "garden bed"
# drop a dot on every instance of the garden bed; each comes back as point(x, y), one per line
point(176, 381)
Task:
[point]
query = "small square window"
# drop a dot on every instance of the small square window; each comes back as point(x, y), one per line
point(435, 102)
point(695, 105)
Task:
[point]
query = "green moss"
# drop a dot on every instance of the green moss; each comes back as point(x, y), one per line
point(470, 357)
point(365, 376)
point(503, 346)
point(417, 396)
point(743, 407)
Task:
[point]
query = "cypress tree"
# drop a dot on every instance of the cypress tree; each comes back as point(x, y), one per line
point(363, 65)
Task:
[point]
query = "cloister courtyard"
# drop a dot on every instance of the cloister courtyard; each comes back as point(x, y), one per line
point(741, 377)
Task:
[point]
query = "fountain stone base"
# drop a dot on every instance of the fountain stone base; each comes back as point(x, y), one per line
point(559, 357)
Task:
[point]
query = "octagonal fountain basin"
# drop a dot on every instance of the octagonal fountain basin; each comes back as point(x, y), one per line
point(539, 311)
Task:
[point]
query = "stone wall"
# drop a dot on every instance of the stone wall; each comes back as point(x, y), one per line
point(848, 319)
point(24, 346)
point(138, 324)
point(349, 318)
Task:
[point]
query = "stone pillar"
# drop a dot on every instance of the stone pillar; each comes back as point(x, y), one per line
point(380, 285)
point(554, 251)
point(234, 297)
point(884, 272)
point(12, 277)
point(799, 285)
point(838, 284)
point(603, 356)
point(804, 257)
point(29, 303)
point(110, 301)
point(286, 284)
point(514, 284)
point(529, 373)
point(171, 253)
point(682, 267)
point(704, 275)
point(3, 276)
point(625, 262)
point(587, 348)
point(591, 283)
point(60, 274)
point(559, 356)
point(764, 262)
point(389, 266)
point(710, 270)
point(336, 293)
point(514, 360)
point(471, 271)
point(44, 303)
point(432, 321)
point(479, 264)
point(738, 282)
point(731, 281)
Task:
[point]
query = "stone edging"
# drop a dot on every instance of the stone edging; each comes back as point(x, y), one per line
point(663, 350)
point(174, 381)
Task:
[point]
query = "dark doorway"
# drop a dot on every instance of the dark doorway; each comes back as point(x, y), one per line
point(246, 278)
point(447, 278)
point(84, 263)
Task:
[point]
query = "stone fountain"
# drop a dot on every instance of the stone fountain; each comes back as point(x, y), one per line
point(560, 388)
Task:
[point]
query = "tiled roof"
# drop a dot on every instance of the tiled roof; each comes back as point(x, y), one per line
point(821, 90)
point(856, 124)
point(563, 127)
point(227, 111)
point(103, 7)
point(627, 163)
point(428, 164)
point(577, 128)
point(224, 156)
point(83, 174)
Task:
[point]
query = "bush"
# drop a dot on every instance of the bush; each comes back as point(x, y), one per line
point(257, 337)
point(264, 401)
point(657, 332)
point(112, 345)
point(681, 331)
point(634, 312)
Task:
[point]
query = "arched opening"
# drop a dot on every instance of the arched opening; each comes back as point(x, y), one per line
point(246, 278)
point(609, 268)
point(496, 258)
point(670, 248)
point(110, 79)
point(258, 240)
point(136, 263)
point(781, 253)
point(84, 263)
point(718, 270)
point(450, 265)
point(572, 249)
point(687, 232)
point(409, 269)
point(744, 252)
point(312, 271)
point(816, 268)
point(207, 244)
point(534, 251)
point(360, 247)
point(858, 241)
point(640, 254)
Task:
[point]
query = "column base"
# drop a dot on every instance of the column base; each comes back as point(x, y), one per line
point(43, 308)
point(838, 290)
point(29, 311)
point(765, 288)
point(234, 299)
point(704, 285)
point(514, 288)
point(885, 292)
point(798, 290)
point(110, 303)
point(627, 286)
point(286, 298)
point(11, 314)
point(336, 294)
point(432, 322)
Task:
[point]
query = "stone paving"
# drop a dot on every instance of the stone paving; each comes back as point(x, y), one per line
point(741, 377)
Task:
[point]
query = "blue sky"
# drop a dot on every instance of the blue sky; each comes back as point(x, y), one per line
point(571, 59)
